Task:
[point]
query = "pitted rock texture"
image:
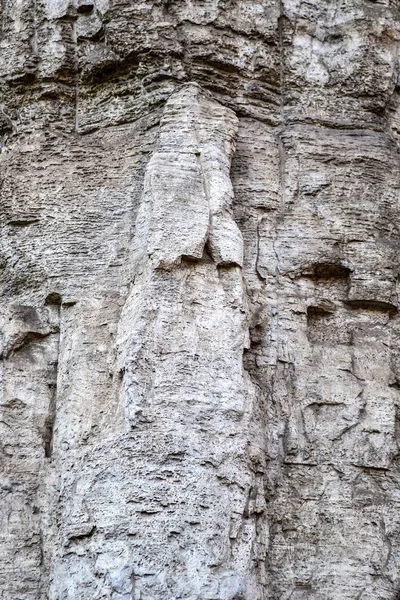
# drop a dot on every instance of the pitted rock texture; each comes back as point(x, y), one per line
point(199, 349)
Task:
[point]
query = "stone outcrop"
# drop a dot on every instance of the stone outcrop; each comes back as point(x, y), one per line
point(199, 327)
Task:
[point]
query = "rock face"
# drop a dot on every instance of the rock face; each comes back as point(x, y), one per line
point(200, 363)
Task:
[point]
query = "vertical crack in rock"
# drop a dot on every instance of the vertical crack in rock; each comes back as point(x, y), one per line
point(50, 419)
point(54, 303)
point(74, 36)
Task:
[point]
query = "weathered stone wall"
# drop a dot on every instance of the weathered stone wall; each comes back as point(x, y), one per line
point(200, 364)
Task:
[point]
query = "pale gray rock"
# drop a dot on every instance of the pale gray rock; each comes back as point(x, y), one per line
point(199, 296)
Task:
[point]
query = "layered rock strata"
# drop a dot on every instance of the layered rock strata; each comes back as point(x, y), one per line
point(199, 300)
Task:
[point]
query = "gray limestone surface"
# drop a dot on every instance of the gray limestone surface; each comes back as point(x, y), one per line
point(199, 300)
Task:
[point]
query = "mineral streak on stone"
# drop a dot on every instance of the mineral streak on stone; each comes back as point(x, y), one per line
point(199, 279)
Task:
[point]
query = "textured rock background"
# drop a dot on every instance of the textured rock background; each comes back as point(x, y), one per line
point(200, 365)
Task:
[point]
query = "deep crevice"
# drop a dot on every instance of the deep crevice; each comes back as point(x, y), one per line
point(318, 311)
point(326, 270)
point(376, 305)
point(50, 419)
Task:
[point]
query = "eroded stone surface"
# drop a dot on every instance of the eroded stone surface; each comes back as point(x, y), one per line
point(199, 300)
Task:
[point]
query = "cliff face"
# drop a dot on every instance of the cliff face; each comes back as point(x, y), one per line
point(200, 364)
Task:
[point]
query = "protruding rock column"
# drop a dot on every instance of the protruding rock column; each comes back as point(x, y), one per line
point(29, 344)
point(172, 505)
point(182, 337)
